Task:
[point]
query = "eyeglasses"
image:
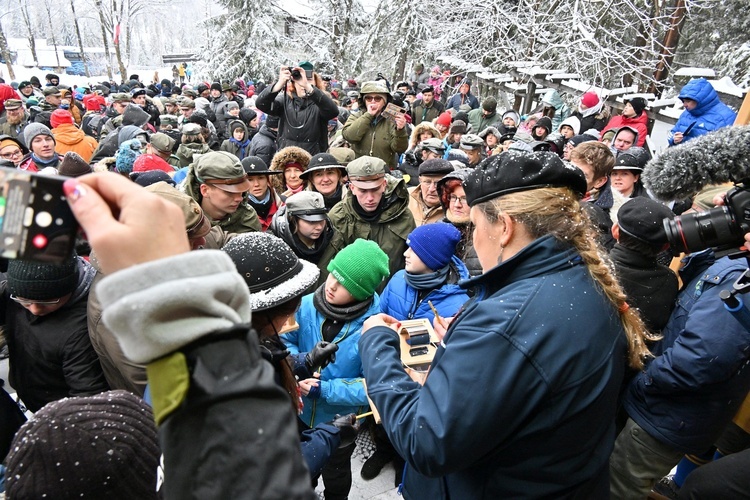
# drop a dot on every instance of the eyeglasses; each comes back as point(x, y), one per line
point(457, 199)
point(13, 154)
point(376, 98)
point(27, 302)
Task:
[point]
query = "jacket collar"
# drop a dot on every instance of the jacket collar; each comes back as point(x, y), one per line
point(542, 256)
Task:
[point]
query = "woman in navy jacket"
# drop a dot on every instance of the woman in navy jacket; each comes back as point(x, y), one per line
point(520, 401)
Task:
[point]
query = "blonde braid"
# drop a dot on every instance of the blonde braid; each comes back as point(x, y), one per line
point(556, 211)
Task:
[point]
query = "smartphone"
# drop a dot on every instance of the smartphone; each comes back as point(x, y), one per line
point(36, 222)
point(418, 351)
point(392, 111)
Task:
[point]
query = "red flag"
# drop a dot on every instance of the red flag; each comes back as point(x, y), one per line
point(117, 34)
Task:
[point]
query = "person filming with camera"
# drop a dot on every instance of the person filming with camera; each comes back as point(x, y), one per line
point(303, 108)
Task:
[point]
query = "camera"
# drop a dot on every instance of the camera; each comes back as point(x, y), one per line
point(296, 74)
point(720, 227)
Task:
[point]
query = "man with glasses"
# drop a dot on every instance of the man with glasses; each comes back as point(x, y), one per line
point(370, 133)
point(26, 90)
point(377, 210)
point(43, 311)
point(16, 118)
point(424, 199)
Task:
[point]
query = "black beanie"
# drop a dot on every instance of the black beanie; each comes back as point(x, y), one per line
point(216, 86)
point(102, 446)
point(37, 281)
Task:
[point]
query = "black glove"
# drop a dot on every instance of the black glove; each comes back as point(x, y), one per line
point(322, 354)
point(347, 428)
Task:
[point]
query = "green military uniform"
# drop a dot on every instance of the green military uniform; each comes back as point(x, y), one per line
point(389, 230)
point(375, 136)
point(223, 170)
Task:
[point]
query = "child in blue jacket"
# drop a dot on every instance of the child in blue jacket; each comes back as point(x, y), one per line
point(335, 313)
point(431, 274)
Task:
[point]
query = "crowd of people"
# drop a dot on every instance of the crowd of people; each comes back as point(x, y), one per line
point(249, 251)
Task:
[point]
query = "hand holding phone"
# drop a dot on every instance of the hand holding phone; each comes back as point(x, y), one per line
point(118, 217)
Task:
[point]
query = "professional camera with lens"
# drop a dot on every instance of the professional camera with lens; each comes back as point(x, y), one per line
point(720, 227)
point(296, 75)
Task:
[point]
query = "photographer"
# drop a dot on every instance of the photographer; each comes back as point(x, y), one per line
point(686, 396)
point(303, 108)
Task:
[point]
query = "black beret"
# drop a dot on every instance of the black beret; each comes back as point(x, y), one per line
point(641, 217)
point(514, 171)
point(435, 166)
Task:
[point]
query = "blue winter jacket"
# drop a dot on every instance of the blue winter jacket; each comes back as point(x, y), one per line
point(401, 300)
point(341, 387)
point(694, 387)
point(520, 403)
point(710, 114)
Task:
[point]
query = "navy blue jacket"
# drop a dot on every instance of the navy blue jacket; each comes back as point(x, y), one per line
point(709, 115)
point(521, 400)
point(402, 301)
point(699, 378)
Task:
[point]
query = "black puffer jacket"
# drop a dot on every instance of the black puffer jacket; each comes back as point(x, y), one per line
point(51, 356)
point(304, 121)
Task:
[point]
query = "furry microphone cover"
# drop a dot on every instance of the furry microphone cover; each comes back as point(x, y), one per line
point(681, 171)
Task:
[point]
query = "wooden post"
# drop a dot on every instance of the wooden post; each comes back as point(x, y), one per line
point(743, 117)
point(530, 94)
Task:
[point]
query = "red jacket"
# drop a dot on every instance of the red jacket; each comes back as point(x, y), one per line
point(639, 123)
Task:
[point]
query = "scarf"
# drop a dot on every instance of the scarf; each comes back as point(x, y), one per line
point(296, 190)
point(338, 313)
point(330, 201)
point(370, 217)
point(429, 281)
point(262, 207)
point(241, 145)
point(45, 163)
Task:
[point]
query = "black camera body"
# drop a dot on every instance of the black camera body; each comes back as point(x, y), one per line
point(296, 74)
point(720, 227)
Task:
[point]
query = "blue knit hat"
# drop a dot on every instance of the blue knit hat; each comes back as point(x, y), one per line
point(434, 243)
point(126, 155)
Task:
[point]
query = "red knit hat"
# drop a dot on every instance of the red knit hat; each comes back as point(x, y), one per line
point(59, 117)
point(444, 119)
point(93, 102)
point(590, 99)
point(148, 162)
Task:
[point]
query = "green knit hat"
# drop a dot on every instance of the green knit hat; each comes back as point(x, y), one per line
point(360, 268)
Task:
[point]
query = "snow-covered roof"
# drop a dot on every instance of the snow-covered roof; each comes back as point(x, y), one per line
point(696, 72)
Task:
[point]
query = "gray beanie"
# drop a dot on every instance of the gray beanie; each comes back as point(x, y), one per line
point(34, 129)
point(37, 281)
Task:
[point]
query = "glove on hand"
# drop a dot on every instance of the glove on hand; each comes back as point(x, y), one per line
point(322, 354)
point(347, 428)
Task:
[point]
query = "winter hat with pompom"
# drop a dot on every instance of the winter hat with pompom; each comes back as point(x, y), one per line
point(434, 243)
point(360, 268)
point(126, 155)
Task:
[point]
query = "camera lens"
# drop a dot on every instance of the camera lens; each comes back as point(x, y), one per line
point(296, 74)
point(695, 232)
